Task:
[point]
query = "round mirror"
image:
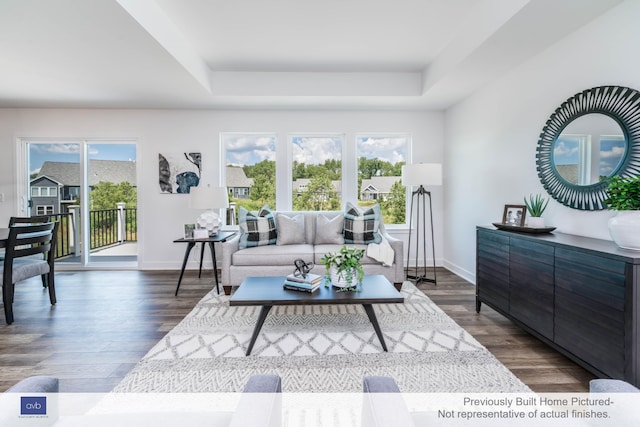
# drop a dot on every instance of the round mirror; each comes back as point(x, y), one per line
point(589, 149)
point(593, 135)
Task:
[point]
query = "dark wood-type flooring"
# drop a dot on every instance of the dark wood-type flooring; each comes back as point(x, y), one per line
point(105, 321)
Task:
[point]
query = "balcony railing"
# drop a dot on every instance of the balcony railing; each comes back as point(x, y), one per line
point(107, 227)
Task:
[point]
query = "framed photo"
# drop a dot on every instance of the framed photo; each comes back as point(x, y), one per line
point(188, 231)
point(514, 215)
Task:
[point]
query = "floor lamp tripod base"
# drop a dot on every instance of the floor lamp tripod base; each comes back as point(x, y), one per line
point(419, 279)
point(420, 195)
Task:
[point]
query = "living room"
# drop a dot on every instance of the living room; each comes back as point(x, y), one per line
point(484, 134)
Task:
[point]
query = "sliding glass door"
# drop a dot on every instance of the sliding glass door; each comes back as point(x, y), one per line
point(85, 182)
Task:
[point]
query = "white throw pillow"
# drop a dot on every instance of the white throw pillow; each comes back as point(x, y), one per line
point(329, 230)
point(290, 229)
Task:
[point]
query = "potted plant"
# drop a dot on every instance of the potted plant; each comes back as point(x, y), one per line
point(536, 206)
point(624, 196)
point(344, 268)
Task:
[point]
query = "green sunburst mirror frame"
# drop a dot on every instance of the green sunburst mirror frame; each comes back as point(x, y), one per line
point(621, 104)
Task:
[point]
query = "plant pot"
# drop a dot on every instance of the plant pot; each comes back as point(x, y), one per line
point(625, 229)
point(535, 222)
point(341, 280)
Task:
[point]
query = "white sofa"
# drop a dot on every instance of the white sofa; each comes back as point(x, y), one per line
point(277, 260)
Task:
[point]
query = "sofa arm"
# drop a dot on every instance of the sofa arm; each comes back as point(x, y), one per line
point(228, 249)
point(260, 404)
point(383, 405)
point(36, 384)
point(31, 387)
point(606, 385)
point(398, 256)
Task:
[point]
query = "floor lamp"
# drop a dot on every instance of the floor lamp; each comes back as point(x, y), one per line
point(421, 175)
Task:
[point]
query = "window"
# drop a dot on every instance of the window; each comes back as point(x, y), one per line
point(250, 173)
point(44, 210)
point(380, 160)
point(44, 191)
point(316, 172)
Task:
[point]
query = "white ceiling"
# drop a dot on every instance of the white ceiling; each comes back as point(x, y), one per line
point(379, 54)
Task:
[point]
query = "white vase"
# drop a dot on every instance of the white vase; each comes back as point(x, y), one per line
point(535, 222)
point(339, 280)
point(625, 229)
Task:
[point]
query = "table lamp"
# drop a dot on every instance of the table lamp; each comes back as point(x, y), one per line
point(211, 199)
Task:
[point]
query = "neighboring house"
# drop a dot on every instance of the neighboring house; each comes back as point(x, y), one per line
point(65, 176)
point(237, 182)
point(45, 196)
point(300, 186)
point(377, 187)
point(568, 172)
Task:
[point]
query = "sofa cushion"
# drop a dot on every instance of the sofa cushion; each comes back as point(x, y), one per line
point(329, 230)
point(362, 227)
point(290, 229)
point(272, 255)
point(257, 228)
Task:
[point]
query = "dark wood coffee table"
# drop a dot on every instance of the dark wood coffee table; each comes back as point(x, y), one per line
point(268, 291)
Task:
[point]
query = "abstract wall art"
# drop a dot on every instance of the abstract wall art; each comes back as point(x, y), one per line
point(178, 172)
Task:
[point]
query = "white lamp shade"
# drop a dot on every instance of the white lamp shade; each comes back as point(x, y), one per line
point(202, 197)
point(427, 174)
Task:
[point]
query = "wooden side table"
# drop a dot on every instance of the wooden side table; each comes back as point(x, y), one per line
point(221, 236)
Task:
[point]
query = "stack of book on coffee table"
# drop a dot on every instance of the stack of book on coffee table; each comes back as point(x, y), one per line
point(308, 283)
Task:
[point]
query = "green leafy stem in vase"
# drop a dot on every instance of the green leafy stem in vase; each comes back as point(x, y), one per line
point(623, 193)
point(346, 261)
point(536, 205)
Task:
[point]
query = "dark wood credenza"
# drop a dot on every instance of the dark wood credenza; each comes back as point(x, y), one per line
point(577, 294)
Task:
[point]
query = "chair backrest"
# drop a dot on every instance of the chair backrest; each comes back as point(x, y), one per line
point(38, 219)
point(30, 239)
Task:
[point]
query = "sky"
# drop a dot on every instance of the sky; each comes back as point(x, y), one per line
point(316, 150)
point(390, 149)
point(243, 149)
point(565, 152)
point(70, 152)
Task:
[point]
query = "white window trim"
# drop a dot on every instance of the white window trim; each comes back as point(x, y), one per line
point(289, 163)
point(409, 160)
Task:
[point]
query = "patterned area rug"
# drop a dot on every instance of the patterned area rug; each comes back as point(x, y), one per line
point(320, 349)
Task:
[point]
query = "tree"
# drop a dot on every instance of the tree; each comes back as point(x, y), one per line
point(320, 195)
point(298, 170)
point(263, 190)
point(264, 182)
point(394, 206)
point(105, 195)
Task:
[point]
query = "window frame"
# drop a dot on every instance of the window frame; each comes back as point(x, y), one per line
point(408, 160)
point(343, 156)
point(222, 178)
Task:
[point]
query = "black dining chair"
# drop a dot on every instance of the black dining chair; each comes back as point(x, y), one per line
point(38, 219)
point(25, 241)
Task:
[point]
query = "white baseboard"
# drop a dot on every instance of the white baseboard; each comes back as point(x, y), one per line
point(176, 265)
point(466, 275)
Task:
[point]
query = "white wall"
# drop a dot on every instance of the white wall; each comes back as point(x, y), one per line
point(491, 137)
point(161, 216)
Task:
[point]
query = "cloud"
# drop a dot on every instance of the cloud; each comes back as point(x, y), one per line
point(392, 150)
point(615, 152)
point(60, 148)
point(316, 150)
point(244, 150)
point(563, 150)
